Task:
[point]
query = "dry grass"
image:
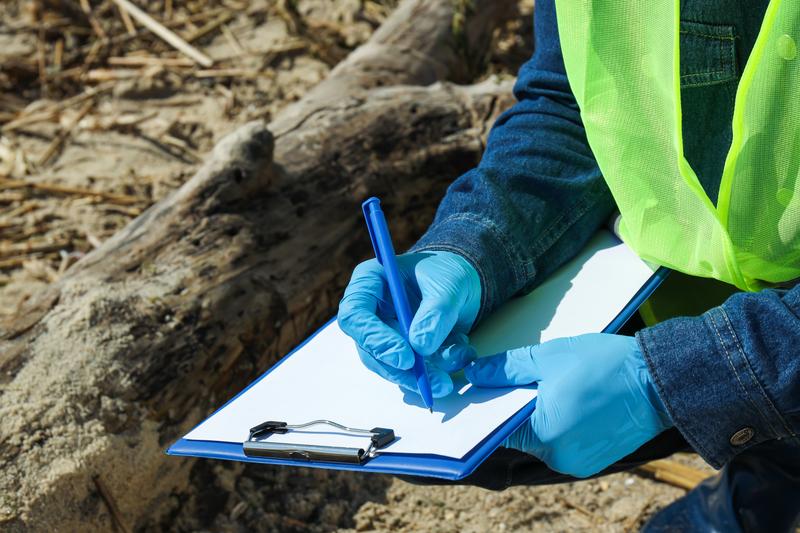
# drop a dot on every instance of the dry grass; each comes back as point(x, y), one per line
point(107, 105)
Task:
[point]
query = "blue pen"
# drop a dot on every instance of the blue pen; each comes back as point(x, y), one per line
point(384, 253)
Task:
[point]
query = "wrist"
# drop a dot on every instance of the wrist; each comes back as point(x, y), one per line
point(469, 281)
point(482, 245)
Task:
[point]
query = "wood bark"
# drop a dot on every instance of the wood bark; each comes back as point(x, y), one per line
point(206, 289)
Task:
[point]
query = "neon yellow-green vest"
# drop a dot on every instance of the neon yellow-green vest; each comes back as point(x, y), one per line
point(622, 61)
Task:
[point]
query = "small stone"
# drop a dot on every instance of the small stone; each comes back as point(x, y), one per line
point(333, 513)
point(238, 510)
point(364, 523)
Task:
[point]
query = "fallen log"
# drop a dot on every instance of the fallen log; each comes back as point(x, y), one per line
point(207, 288)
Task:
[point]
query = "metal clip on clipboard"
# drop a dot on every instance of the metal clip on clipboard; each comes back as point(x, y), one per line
point(379, 437)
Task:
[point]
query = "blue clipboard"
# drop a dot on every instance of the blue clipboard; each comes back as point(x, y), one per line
point(403, 464)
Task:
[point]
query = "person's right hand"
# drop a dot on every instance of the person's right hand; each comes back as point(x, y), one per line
point(445, 292)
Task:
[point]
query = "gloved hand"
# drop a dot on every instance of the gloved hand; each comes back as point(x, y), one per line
point(445, 291)
point(596, 401)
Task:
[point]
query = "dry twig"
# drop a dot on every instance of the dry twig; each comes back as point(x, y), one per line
point(630, 524)
point(10, 197)
point(165, 33)
point(26, 119)
point(93, 22)
point(113, 198)
point(58, 54)
point(105, 494)
point(228, 73)
point(25, 208)
point(30, 248)
point(108, 74)
point(126, 20)
point(147, 61)
point(91, 56)
point(208, 27)
point(181, 145)
point(674, 473)
point(127, 211)
point(581, 509)
point(40, 269)
point(14, 262)
point(64, 133)
point(189, 20)
point(233, 40)
point(41, 62)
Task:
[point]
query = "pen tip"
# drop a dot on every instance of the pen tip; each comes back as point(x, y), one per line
point(430, 409)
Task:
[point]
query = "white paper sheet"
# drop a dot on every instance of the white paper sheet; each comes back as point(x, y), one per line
point(326, 380)
point(584, 296)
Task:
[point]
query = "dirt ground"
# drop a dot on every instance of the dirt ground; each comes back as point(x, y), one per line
point(92, 135)
point(329, 501)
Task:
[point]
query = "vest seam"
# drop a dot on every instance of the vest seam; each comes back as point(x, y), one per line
point(718, 37)
point(511, 254)
point(693, 85)
point(709, 72)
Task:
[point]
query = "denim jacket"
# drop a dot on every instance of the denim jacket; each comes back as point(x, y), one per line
point(730, 378)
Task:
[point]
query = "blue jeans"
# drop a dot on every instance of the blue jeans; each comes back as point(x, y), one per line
point(759, 490)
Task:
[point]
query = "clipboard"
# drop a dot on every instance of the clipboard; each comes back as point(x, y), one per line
point(369, 457)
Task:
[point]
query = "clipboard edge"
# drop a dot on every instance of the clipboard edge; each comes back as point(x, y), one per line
point(429, 465)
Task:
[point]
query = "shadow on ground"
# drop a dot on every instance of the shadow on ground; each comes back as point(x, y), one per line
point(232, 497)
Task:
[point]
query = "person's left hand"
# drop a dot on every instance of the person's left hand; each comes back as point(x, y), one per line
point(596, 401)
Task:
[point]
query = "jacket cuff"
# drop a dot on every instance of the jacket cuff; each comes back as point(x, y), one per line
point(482, 245)
point(708, 385)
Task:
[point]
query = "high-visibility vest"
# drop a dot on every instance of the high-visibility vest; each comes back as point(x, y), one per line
point(622, 61)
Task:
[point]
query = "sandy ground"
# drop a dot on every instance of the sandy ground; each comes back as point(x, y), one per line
point(141, 138)
point(319, 500)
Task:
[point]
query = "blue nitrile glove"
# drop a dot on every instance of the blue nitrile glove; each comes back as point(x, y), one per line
point(445, 291)
point(596, 402)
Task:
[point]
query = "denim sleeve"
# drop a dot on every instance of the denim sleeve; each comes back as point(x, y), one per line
point(730, 378)
point(537, 195)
